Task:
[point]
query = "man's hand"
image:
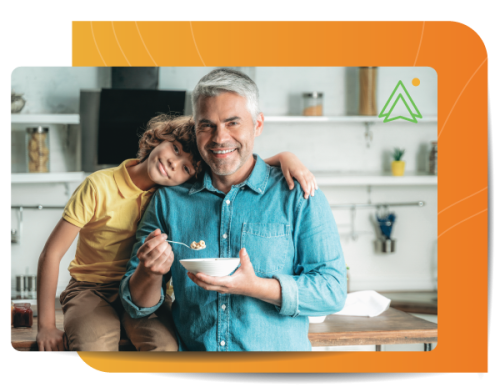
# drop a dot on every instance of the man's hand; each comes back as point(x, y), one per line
point(50, 339)
point(155, 255)
point(242, 282)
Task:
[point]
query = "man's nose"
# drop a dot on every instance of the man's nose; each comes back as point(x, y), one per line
point(220, 135)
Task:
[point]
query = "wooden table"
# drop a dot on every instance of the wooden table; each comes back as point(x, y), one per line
point(424, 302)
point(391, 327)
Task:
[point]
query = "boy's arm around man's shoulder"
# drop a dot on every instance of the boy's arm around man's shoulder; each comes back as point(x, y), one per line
point(151, 221)
point(318, 284)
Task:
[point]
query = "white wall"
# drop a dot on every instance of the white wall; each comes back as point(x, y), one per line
point(56, 89)
point(322, 147)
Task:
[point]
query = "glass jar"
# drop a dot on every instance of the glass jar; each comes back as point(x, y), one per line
point(313, 104)
point(23, 315)
point(37, 149)
point(30, 286)
point(433, 157)
point(368, 91)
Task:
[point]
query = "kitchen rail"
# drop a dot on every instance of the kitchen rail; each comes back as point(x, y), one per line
point(379, 205)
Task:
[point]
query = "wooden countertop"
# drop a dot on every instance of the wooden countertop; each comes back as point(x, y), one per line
point(391, 327)
point(424, 302)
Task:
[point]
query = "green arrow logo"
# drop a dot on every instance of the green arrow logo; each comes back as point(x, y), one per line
point(412, 110)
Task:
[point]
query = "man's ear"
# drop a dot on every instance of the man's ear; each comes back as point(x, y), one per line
point(259, 124)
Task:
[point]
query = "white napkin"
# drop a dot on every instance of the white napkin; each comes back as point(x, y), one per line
point(364, 303)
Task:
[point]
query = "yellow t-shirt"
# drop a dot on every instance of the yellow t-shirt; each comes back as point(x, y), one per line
point(107, 206)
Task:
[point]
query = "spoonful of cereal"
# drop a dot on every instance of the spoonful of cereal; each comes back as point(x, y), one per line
point(194, 245)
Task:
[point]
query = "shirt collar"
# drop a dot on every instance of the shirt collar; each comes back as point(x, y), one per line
point(125, 184)
point(256, 181)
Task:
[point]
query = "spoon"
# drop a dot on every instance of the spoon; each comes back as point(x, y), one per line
point(182, 243)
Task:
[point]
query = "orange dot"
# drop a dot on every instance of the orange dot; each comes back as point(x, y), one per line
point(415, 82)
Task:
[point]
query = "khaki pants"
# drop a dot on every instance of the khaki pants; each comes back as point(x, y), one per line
point(93, 313)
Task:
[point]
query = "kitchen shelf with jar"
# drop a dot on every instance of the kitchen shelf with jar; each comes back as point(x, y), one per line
point(43, 119)
point(64, 127)
point(367, 121)
point(336, 119)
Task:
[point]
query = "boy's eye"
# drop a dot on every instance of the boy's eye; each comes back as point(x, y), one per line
point(176, 149)
point(186, 169)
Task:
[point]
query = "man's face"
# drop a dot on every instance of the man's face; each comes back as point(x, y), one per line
point(225, 132)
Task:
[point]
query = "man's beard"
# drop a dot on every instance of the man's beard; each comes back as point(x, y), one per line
point(226, 168)
point(221, 169)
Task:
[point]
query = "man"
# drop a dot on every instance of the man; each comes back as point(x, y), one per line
point(291, 260)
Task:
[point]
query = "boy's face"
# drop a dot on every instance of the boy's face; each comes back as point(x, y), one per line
point(169, 165)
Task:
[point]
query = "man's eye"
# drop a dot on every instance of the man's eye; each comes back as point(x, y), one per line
point(233, 123)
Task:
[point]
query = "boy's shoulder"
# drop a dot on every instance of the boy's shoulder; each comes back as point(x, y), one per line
point(102, 177)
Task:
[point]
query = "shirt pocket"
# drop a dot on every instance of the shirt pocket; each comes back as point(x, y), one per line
point(267, 245)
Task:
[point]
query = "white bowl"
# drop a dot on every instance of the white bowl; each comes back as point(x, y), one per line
point(317, 320)
point(212, 267)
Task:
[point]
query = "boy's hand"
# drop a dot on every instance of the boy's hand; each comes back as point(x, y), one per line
point(292, 168)
point(155, 255)
point(50, 339)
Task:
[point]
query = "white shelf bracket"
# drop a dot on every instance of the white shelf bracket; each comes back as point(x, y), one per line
point(66, 189)
point(368, 133)
point(354, 234)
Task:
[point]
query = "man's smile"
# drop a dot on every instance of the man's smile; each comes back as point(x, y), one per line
point(219, 153)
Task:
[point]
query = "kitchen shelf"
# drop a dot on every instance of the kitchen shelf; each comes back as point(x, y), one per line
point(336, 119)
point(37, 178)
point(43, 119)
point(376, 179)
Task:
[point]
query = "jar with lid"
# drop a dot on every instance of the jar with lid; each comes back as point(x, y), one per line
point(433, 156)
point(37, 146)
point(312, 104)
point(368, 91)
point(23, 315)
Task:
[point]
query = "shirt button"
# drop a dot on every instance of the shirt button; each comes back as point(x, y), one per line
point(224, 236)
point(223, 343)
point(227, 202)
point(223, 307)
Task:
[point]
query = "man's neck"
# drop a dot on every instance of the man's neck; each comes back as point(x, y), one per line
point(224, 183)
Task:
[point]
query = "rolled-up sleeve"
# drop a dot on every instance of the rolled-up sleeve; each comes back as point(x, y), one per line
point(151, 221)
point(318, 286)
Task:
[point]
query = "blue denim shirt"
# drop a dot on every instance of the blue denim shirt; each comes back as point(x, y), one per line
point(287, 237)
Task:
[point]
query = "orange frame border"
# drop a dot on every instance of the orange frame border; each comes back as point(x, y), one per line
point(459, 57)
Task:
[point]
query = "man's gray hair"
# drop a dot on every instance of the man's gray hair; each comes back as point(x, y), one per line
point(223, 80)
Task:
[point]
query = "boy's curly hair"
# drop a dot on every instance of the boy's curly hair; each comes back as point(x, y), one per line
point(166, 127)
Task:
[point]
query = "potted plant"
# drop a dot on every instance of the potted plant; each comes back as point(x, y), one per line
point(398, 166)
